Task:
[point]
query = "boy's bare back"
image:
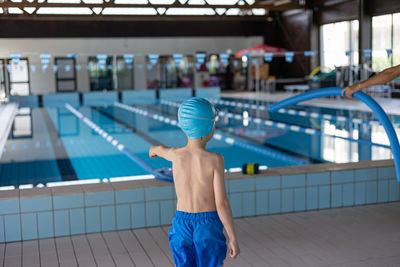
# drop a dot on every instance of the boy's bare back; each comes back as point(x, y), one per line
point(194, 172)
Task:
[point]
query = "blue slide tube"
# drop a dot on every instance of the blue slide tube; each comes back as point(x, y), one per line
point(366, 99)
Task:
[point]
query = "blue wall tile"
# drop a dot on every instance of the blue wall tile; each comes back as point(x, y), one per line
point(293, 180)
point(77, 221)
point(249, 205)
point(138, 217)
point(318, 178)
point(36, 204)
point(241, 185)
point(336, 196)
point(393, 190)
point(348, 194)
point(158, 193)
point(312, 198)
point(366, 174)
point(275, 201)
point(29, 226)
point(123, 217)
point(99, 198)
point(9, 206)
point(324, 197)
point(261, 202)
point(92, 217)
point(372, 192)
point(13, 228)
point(287, 200)
point(383, 191)
point(299, 199)
point(2, 238)
point(360, 193)
point(107, 218)
point(342, 176)
point(45, 221)
point(68, 201)
point(129, 195)
point(236, 204)
point(152, 213)
point(386, 173)
point(61, 223)
point(167, 211)
point(272, 182)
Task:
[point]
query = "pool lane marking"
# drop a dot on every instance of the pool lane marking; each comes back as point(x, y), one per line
point(219, 136)
point(298, 113)
point(117, 144)
point(281, 125)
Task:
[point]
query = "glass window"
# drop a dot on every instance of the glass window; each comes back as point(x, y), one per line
point(337, 39)
point(124, 74)
point(19, 77)
point(100, 76)
point(381, 40)
point(65, 75)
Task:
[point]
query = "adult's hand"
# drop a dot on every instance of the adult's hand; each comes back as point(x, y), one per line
point(350, 90)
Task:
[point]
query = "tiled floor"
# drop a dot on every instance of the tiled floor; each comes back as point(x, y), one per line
point(390, 105)
point(354, 236)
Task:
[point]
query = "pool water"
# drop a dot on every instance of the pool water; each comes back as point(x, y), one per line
point(50, 144)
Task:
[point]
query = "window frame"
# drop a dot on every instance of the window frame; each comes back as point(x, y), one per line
point(9, 60)
point(66, 79)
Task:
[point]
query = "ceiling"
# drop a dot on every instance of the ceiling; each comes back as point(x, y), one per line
point(144, 9)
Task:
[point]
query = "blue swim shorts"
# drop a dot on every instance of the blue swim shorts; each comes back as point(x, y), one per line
point(197, 239)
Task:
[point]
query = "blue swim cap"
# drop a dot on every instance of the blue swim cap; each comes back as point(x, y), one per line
point(196, 117)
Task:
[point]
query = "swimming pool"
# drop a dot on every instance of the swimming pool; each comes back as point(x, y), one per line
point(58, 146)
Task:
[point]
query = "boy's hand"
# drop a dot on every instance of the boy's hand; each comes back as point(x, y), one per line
point(233, 249)
point(152, 153)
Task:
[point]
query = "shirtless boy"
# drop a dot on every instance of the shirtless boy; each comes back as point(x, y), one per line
point(196, 236)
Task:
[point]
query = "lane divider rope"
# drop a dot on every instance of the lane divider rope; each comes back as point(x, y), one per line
point(301, 113)
point(119, 145)
point(220, 136)
point(285, 126)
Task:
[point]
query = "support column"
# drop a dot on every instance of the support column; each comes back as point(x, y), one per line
point(364, 32)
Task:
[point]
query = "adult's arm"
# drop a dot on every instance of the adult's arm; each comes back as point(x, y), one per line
point(385, 76)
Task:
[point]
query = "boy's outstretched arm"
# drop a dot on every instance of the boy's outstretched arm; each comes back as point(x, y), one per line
point(161, 151)
point(224, 208)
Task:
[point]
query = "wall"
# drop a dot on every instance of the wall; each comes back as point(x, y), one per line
point(42, 83)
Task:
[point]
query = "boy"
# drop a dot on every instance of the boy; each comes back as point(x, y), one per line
point(196, 236)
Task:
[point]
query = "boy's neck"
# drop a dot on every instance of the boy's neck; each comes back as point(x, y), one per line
point(196, 143)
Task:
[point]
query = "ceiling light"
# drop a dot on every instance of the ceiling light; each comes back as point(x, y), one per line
point(161, 10)
point(29, 10)
point(15, 10)
point(162, 2)
point(64, 11)
point(133, 2)
point(220, 11)
point(258, 11)
point(190, 11)
point(129, 11)
point(232, 12)
point(196, 2)
point(222, 2)
point(97, 10)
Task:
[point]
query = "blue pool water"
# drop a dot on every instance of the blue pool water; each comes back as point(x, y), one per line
point(58, 146)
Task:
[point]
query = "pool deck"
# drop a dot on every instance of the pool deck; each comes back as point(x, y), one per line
point(353, 236)
point(390, 105)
